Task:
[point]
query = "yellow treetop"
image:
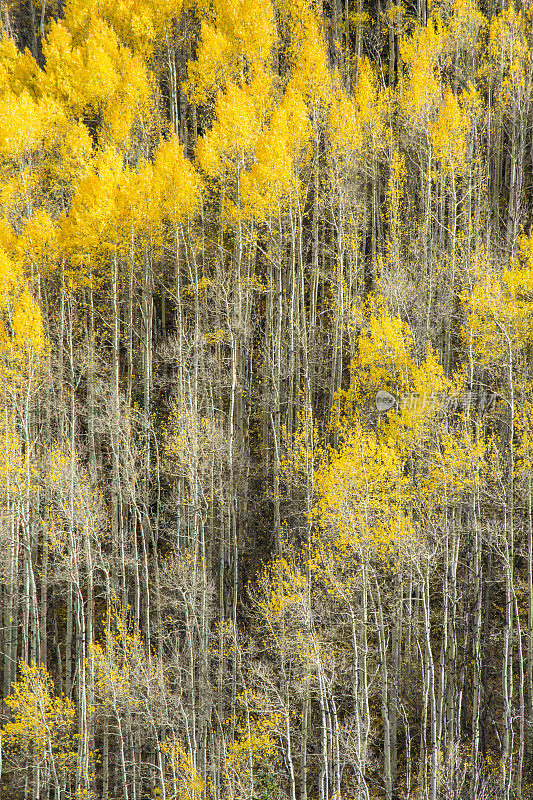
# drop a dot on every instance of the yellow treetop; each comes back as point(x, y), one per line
point(25, 123)
point(43, 726)
point(94, 76)
point(450, 134)
point(236, 40)
point(272, 181)
point(18, 70)
point(240, 116)
point(93, 229)
point(371, 102)
point(510, 57)
point(499, 314)
point(22, 338)
point(178, 182)
point(37, 246)
point(311, 76)
point(345, 132)
point(386, 359)
point(362, 496)
point(140, 25)
point(422, 92)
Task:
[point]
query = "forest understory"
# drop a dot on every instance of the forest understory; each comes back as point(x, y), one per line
point(266, 400)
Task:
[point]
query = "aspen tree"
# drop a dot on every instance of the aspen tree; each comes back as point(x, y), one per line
point(197, 454)
point(235, 43)
point(43, 732)
point(97, 79)
point(223, 153)
point(272, 188)
point(311, 79)
point(96, 201)
point(141, 27)
point(348, 139)
point(130, 688)
point(450, 136)
point(497, 329)
point(419, 99)
point(349, 493)
point(510, 67)
point(182, 779)
point(285, 609)
point(75, 525)
point(23, 347)
point(372, 102)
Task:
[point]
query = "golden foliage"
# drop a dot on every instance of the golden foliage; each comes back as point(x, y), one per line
point(499, 310)
point(422, 91)
point(362, 498)
point(230, 143)
point(184, 780)
point(236, 40)
point(449, 134)
point(272, 182)
point(93, 75)
point(43, 727)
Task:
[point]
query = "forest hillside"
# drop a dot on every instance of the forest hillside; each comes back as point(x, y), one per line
point(266, 400)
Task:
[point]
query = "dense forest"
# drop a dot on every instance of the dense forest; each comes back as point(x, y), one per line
point(266, 399)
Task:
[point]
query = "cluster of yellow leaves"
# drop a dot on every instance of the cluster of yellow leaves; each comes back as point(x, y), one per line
point(524, 449)
point(240, 114)
point(184, 780)
point(499, 312)
point(176, 182)
point(385, 356)
point(386, 359)
point(260, 133)
point(236, 40)
point(114, 204)
point(510, 65)
point(43, 148)
point(37, 246)
point(93, 76)
point(43, 725)
point(458, 463)
point(22, 338)
point(421, 92)
point(252, 757)
point(25, 123)
point(26, 341)
point(140, 25)
point(272, 182)
point(125, 677)
point(358, 125)
point(372, 102)
point(525, 252)
point(310, 72)
point(13, 461)
point(361, 494)
point(285, 589)
point(344, 126)
point(449, 134)
point(258, 741)
point(288, 594)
